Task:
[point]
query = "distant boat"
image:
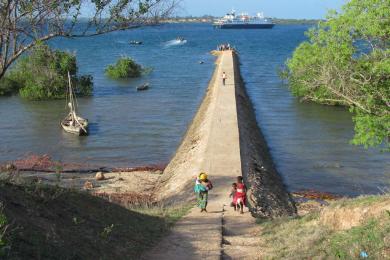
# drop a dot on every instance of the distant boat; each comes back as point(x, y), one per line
point(143, 87)
point(73, 123)
point(135, 42)
point(180, 39)
point(243, 21)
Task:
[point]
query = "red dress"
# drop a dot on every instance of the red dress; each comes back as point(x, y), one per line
point(240, 195)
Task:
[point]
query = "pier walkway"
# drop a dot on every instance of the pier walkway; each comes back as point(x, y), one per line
point(221, 233)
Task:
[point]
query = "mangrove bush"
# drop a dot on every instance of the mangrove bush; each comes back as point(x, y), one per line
point(124, 68)
point(8, 86)
point(43, 74)
point(346, 61)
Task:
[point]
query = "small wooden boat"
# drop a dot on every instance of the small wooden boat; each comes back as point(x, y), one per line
point(73, 123)
point(135, 42)
point(143, 87)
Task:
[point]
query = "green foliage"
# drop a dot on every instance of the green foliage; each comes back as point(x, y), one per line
point(84, 85)
point(43, 74)
point(370, 129)
point(368, 238)
point(124, 68)
point(8, 86)
point(347, 61)
point(107, 231)
point(3, 231)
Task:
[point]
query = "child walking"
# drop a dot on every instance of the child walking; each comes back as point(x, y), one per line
point(240, 196)
point(232, 195)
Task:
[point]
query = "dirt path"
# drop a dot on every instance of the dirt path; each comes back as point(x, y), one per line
point(222, 232)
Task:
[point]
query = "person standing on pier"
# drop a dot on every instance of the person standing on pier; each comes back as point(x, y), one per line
point(224, 78)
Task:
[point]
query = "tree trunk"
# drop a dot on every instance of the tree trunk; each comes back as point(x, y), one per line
point(2, 73)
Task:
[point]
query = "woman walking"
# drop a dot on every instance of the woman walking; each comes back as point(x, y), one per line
point(202, 187)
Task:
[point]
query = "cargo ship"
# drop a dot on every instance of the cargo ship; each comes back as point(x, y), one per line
point(243, 21)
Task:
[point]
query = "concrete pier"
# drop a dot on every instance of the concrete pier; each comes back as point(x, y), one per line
point(224, 141)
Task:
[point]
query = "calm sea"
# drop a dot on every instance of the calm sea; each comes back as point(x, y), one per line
point(309, 143)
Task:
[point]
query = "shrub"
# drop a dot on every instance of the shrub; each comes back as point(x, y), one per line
point(84, 85)
point(124, 68)
point(8, 86)
point(43, 74)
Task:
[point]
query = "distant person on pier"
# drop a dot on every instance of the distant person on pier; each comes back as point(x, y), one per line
point(202, 187)
point(224, 78)
point(240, 195)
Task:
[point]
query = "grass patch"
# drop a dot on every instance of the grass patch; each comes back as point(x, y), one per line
point(369, 238)
point(360, 201)
point(293, 238)
point(306, 238)
point(51, 222)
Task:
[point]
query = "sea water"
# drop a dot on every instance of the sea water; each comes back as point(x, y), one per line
point(309, 142)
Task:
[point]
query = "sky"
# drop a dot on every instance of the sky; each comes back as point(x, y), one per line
point(299, 9)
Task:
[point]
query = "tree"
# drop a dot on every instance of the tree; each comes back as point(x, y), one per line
point(125, 67)
point(43, 74)
point(346, 61)
point(24, 23)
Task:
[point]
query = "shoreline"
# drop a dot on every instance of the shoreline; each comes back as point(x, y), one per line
point(44, 165)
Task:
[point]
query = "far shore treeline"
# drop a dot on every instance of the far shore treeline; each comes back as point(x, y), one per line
point(210, 19)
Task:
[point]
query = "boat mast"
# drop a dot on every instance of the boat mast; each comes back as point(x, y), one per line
point(71, 98)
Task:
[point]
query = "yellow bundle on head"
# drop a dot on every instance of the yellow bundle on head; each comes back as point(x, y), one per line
point(202, 176)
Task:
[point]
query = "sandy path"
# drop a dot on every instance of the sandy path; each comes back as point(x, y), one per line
point(220, 233)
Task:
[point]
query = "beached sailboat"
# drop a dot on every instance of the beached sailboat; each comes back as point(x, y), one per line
point(73, 123)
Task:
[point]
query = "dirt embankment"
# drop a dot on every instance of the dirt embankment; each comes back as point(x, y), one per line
point(46, 213)
point(268, 196)
point(47, 222)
